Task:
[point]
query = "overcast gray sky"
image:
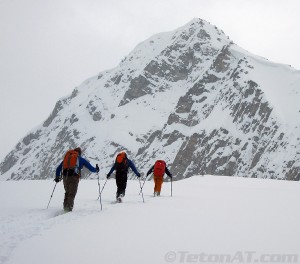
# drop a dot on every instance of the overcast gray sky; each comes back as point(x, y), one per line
point(48, 47)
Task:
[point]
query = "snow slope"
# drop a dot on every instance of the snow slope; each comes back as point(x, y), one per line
point(281, 86)
point(208, 219)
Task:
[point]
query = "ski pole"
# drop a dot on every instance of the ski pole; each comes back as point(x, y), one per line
point(99, 191)
point(102, 189)
point(103, 185)
point(171, 186)
point(143, 185)
point(51, 195)
point(141, 190)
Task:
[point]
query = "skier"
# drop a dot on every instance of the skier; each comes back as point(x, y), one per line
point(121, 165)
point(70, 168)
point(159, 169)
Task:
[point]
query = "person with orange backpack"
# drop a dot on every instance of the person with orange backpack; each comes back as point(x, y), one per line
point(121, 166)
point(159, 169)
point(70, 168)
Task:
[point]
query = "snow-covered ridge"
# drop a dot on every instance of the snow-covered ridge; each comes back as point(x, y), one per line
point(189, 96)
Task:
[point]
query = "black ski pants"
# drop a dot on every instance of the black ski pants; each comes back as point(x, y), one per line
point(121, 181)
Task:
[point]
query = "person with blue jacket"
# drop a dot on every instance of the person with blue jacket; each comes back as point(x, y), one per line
point(121, 166)
point(70, 170)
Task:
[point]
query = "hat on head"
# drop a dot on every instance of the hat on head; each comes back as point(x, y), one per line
point(78, 150)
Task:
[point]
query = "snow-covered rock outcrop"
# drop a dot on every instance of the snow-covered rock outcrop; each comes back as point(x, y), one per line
point(191, 97)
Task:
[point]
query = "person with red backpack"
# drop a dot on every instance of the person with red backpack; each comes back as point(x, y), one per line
point(159, 169)
point(70, 168)
point(121, 166)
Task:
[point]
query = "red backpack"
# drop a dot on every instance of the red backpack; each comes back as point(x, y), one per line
point(159, 168)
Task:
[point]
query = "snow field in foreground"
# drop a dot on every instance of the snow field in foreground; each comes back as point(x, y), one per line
point(208, 219)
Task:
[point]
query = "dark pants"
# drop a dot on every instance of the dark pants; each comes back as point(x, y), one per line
point(71, 186)
point(121, 181)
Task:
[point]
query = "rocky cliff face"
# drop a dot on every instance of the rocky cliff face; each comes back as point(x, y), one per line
point(191, 97)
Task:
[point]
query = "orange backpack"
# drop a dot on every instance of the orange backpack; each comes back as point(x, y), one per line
point(159, 168)
point(71, 161)
point(121, 162)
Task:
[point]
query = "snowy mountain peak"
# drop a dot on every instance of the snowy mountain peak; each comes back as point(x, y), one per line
point(189, 96)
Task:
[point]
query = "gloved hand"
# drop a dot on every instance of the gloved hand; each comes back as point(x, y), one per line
point(107, 176)
point(138, 175)
point(57, 179)
point(97, 168)
point(171, 176)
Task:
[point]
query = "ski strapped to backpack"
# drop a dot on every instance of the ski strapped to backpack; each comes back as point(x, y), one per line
point(71, 163)
point(159, 168)
point(121, 162)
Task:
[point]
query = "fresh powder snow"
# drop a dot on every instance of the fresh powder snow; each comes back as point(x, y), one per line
point(208, 219)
